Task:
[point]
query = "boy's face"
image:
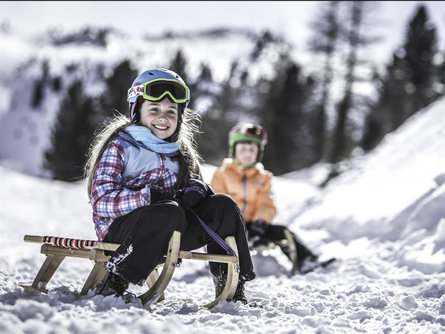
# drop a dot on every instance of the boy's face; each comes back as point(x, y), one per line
point(161, 117)
point(246, 153)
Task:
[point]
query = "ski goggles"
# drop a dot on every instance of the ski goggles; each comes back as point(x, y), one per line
point(158, 89)
point(249, 134)
point(257, 132)
point(253, 131)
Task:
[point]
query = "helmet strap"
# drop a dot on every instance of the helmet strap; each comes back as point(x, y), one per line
point(133, 106)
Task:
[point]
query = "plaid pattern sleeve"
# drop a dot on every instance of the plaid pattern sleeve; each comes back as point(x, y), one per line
point(108, 197)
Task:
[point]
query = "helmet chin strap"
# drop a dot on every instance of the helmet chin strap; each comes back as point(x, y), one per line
point(132, 110)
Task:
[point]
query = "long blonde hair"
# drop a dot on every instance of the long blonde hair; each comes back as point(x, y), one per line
point(190, 166)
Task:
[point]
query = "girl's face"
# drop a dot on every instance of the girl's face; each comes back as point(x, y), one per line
point(161, 117)
point(246, 154)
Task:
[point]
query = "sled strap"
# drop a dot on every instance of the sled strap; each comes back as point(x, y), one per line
point(214, 236)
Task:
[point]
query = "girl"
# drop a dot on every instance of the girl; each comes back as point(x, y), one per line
point(144, 182)
point(243, 177)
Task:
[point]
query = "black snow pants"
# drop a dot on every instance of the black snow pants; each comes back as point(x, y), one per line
point(144, 235)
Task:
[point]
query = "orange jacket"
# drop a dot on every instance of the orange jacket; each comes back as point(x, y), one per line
point(250, 188)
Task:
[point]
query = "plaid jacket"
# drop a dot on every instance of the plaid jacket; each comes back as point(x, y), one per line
point(123, 178)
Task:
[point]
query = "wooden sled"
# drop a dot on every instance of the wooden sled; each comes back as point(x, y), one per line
point(57, 249)
point(287, 242)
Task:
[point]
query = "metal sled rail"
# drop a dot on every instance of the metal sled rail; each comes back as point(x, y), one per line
point(57, 249)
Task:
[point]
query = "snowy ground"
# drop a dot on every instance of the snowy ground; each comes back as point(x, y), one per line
point(384, 218)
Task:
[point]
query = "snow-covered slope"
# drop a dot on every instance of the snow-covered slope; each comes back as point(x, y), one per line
point(395, 193)
point(383, 219)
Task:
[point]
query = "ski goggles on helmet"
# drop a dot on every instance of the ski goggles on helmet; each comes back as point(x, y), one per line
point(248, 132)
point(157, 89)
point(256, 131)
point(253, 132)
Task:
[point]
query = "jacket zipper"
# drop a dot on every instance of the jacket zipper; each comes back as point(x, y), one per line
point(244, 180)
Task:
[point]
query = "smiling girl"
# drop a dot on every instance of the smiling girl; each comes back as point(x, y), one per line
point(144, 182)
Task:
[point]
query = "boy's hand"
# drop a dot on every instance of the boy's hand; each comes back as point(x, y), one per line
point(257, 228)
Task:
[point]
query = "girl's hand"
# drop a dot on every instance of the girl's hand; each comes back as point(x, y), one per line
point(194, 193)
point(157, 196)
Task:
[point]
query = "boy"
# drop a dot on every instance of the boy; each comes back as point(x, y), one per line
point(243, 177)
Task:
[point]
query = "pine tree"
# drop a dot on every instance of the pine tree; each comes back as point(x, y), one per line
point(261, 43)
point(179, 65)
point(420, 48)
point(71, 135)
point(39, 86)
point(114, 97)
point(388, 112)
point(355, 35)
point(212, 140)
point(409, 83)
point(325, 28)
point(341, 141)
point(281, 114)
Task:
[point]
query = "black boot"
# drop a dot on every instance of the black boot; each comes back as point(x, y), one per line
point(239, 295)
point(111, 284)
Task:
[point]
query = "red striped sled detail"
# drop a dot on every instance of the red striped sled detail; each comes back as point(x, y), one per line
point(69, 243)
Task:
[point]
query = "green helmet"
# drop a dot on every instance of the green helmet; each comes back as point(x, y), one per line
point(248, 132)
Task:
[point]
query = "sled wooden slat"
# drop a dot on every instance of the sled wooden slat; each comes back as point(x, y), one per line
point(47, 270)
point(59, 251)
point(94, 277)
point(98, 252)
point(208, 257)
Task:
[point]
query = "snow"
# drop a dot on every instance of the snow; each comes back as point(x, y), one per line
point(383, 218)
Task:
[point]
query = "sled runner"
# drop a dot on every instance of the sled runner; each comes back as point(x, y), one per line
point(57, 249)
point(288, 242)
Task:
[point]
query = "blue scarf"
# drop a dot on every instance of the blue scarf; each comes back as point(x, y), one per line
point(144, 135)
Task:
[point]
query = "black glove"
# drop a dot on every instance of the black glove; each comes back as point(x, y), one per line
point(257, 228)
point(157, 196)
point(194, 193)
